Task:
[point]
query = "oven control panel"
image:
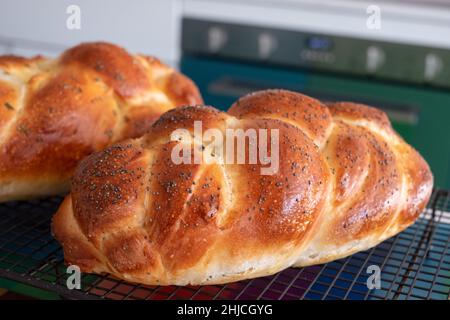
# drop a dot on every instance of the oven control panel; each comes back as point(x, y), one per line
point(377, 59)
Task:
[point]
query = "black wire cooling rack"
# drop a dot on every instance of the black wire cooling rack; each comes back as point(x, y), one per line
point(414, 265)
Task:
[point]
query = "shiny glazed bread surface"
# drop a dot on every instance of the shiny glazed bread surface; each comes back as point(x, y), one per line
point(346, 181)
point(54, 112)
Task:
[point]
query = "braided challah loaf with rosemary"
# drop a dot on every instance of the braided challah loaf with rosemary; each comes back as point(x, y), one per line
point(346, 181)
point(54, 112)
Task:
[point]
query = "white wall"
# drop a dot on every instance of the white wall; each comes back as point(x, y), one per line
point(28, 27)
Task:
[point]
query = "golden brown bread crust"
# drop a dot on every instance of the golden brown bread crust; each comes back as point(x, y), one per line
point(54, 112)
point(346, 182)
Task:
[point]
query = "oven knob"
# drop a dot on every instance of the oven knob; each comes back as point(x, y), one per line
point(267, 44)
point(433, 66)
point(217, 38)
point(375, 58)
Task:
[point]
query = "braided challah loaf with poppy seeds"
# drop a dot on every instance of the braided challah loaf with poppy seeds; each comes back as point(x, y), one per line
point(346, 181)
point(54, 112)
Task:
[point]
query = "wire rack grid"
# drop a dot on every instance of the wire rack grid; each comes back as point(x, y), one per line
point(415, 264)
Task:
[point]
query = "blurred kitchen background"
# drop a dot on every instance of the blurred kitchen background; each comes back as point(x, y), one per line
point(391, 54)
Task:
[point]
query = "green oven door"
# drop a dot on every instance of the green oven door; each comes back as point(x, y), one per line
point(419, 114)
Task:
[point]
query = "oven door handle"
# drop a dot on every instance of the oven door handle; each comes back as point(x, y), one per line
point(234, 87)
